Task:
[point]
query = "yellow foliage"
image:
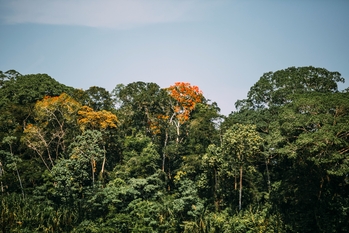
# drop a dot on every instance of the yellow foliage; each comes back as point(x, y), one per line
point(96, 120)
point(179, 175)
point(65, 105)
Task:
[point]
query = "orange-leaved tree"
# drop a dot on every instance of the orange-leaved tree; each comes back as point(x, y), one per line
point(183, 99)
point(186, 97)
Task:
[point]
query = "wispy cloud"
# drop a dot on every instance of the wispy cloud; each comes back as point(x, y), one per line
point(102, 13)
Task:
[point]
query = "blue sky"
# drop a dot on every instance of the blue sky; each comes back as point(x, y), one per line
point(221, 46)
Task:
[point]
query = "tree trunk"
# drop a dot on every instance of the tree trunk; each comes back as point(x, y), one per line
point(240, 191)
point(20, 182)
point(164, 153)
point(216, 203)
point(104, 159)
point(1, 171)
point(268, 176)
point(93, 171)
point(19, 177)
point(235, 181)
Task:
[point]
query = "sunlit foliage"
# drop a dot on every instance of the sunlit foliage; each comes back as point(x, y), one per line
point(186, 97)
point(88, 118)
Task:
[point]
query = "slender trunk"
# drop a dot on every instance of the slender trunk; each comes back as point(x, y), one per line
point(1, 172)
point(19, 177)
point(47, 147)
point(320, 190)
point(20, 182)
point(101, 178)
point(235, 180)
point(57, 150)
point(268, 176)
point(48, 168)
point(43, 160)
point(93, 171)
point(104, 159)
point(49, 156)
point(177, 127)
point(164, 152)
point(215, 190)
point(39, 152)
point(240, 191)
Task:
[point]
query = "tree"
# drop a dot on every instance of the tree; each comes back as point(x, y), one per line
point(15, 88)
point(97, 98)
point(88, 147)
point(55, 117)
point(185, 97)
point(103, 120)
point(139, 106)
point(183, 100)
point(72, 177)
point(98, 120)
point(201, 131)
point(144, 109)
point(18, 95)
point(212, 163)
point(8, 75)
point(277, 88)
point(239, 144)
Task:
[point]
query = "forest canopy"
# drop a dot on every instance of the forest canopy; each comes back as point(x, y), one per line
point(147, 159)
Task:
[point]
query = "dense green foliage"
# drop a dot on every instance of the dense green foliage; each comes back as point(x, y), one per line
point(146, 159)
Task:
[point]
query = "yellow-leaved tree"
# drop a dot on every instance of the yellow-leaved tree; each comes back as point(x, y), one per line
point(54, 118)
point(96, 120)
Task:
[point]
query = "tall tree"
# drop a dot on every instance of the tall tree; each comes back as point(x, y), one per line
point(18, 96)
point(97, 120)
point(140, 104)
point(97, 98)
point(54, 118)
point(239, 144)
point(277, 88)
point(184, 99)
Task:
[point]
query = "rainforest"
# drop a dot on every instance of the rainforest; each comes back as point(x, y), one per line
point(142, 158)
